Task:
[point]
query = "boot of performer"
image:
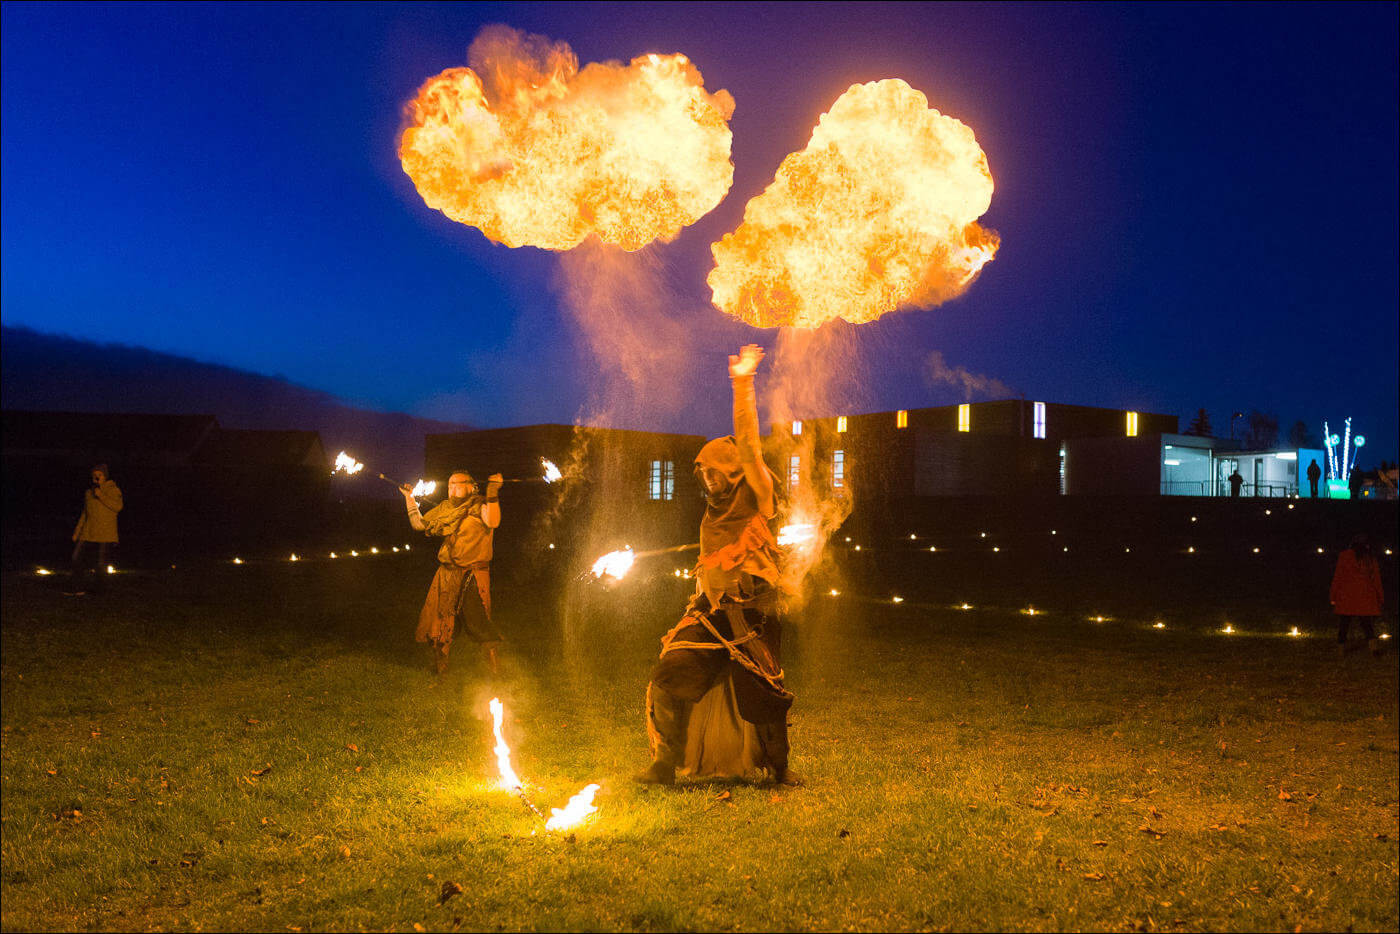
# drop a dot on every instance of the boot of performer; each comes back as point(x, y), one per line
point(773, 737)
point(667, 720)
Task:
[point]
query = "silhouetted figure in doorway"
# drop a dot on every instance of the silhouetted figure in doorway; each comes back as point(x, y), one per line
point(1314, 475)
point(1236, 481)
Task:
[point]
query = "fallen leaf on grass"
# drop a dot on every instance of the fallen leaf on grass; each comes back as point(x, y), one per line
point(1094, 876)
point(352, 747)
point(1284, 795)
point(262, 771)
point(1152, 809)
point(345, 852)
point(449, 889)
point(1099, 843)
point(1157, 834)
point(844, 833)
point(251, 720)
point(723, 796)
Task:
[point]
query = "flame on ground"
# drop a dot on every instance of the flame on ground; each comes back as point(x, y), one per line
point(551, 472)
point(534, 151)
point(347, 465)
point(879, 211)
point(509, 780)
point(579, 807)
point(614, 564)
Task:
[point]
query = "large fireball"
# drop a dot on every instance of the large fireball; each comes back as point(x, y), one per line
point(879, 211)
point(533, 151)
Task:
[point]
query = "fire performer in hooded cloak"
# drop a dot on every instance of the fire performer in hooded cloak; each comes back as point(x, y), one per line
point(716, 704)
point(459, 599)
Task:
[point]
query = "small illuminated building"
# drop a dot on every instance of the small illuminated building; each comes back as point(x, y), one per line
point(1183, 465)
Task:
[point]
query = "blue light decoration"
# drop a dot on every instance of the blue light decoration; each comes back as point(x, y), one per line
point(1337, 480)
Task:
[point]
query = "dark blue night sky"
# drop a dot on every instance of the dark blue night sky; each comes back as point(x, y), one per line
point(1197, 204)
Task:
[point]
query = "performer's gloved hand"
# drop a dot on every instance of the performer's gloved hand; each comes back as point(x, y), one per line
point(493, 485)
point(746, 362)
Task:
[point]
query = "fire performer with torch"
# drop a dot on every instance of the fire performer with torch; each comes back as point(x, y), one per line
point(459, 598)
point(716, 704)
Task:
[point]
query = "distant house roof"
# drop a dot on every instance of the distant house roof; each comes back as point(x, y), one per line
point(244, 446)
point(104, 433)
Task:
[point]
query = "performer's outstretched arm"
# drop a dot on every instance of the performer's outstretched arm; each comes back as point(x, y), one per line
point(746, 434)
point(415, 518)
point(491, 509)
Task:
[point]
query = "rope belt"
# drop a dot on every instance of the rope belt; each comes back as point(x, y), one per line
point(736, 623)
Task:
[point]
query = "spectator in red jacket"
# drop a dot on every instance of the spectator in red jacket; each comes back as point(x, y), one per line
point(1357, 593)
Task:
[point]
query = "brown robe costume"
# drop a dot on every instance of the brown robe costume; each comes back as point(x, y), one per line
point(459, 598)
point(716, 704)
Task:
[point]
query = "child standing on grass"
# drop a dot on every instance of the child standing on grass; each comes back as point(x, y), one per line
point(1357, 593)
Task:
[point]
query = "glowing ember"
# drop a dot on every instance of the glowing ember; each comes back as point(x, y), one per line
point(1294, 631)
point(294, 557)
point(533, 151)
point(614, 564)
point(1228, 629)
point(551, 473)
point(43, 572)
point(424, 488)
point(347, 465)
point(579, 807)
point(878, 212)
point(509, 780)
point(798, 533)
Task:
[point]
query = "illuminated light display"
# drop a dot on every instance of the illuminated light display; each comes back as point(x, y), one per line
point(1159, 625)
point(1228, 630)
point(42, 572)
point(896, 599)
point(111, 570)
point(237, 560)
point(294, 557)
point(834, 592)
point(1294, 631)
point(334, 555)
point(1038, 420)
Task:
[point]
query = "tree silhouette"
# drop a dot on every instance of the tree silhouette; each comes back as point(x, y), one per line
point(1200, 425)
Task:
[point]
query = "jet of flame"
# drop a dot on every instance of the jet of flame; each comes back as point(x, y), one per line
point(347, 465)
point(614, 564)
point(879, 211)
point(797, 534)
point(551, 472)
point(424, 488)
point(509, 780)
point(579, 807)
point(534, 151)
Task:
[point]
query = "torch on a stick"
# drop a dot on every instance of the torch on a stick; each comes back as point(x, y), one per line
point(615, 564)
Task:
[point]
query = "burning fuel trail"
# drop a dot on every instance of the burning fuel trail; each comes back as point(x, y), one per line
point(534, 151)
point(879, 211)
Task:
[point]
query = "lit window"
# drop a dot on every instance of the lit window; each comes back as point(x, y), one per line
point(1038, 426)
point(796, 427)
point(965, 417)
point(838, 469)
point(840, 423)
point(662, 483)
point(1132, 424)
point(901, 419)
point(794, 470)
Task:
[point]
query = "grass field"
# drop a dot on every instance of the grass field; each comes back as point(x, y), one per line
point(263, 747)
